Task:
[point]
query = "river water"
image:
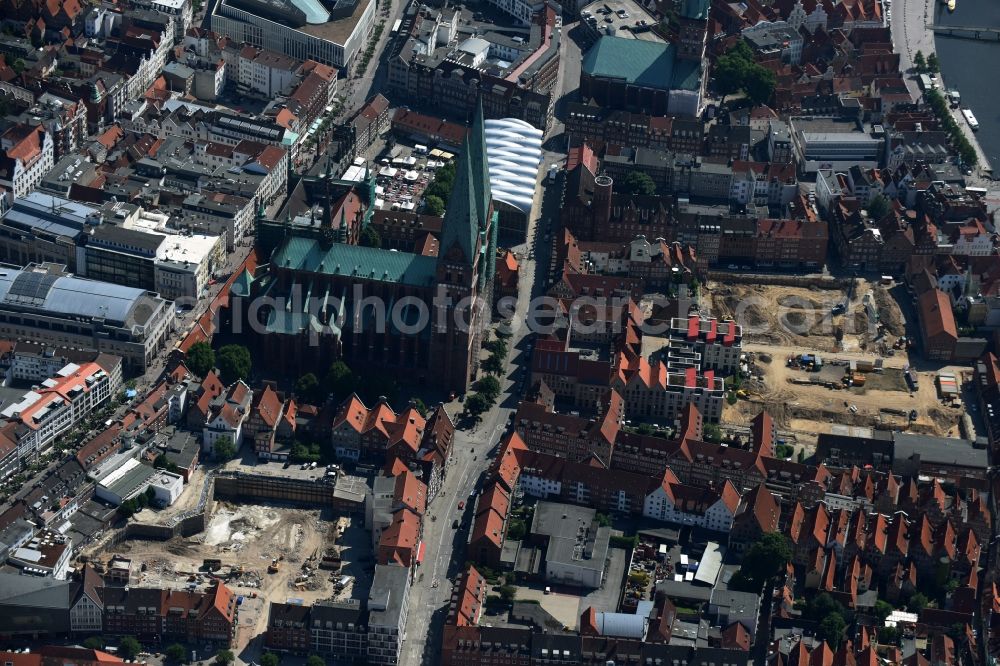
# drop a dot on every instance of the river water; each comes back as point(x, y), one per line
point(973, 68)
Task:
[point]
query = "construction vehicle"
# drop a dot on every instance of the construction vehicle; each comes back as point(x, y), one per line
point(274, 566)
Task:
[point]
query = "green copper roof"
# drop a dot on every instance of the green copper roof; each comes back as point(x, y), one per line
point(461, 219)
point(695, 9)
point(241, 285)
point(289, 320)
point(480, 166)
point(687, 75)
point(642, 63)
point(364, 263)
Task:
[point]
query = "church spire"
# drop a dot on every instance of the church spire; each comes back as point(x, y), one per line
point(480, 166)
point(461, 218)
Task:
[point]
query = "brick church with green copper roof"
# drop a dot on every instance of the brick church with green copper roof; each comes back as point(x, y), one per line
point(305, 302)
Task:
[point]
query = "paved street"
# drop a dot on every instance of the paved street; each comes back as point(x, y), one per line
point(911, 32)
point(568, 80)
point(358, 89)
point(472, 455)
point(473, 449)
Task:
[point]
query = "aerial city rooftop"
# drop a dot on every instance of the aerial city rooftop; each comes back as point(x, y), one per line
point(507, 332)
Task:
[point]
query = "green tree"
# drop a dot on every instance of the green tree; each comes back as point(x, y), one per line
point(94, 643)
point(224, 449)
point(477, 404)
point(223, 657)
point(638, 182)
point(433, 205)
point(340, 380)
point(489, 386)
point(307, 387)
point(603, 519)
point(369, 237)
point(269, 659)
point(516, 529)
point(129, 648)
point(493, 365)
point(878, 208)
point(442, 184)
point(919, 63)
point(234, 363)
point(831, 629)
point(758, 84)
point(917, 603)
point(888, 635)
point(177, 653)
point(731, 68)
point(712, 433)
point(162, 462)
point(822, 605)
point(420, 406)
point(18, 66)
point(883, 609)
point(507, 593)
point(933, 66)
point(767, 558)
point(200, 358)
point(315, 660)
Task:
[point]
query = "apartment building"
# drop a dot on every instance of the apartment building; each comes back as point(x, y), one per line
point(652, 391)
point(61, 402)
point(388, 606)
point(572, 437)
point(717, 344)
point(28, 154)
point(198, 618)
point(713, 509)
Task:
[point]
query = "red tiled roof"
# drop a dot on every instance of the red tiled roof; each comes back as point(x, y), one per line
point(760, 504)
point(411, 492)
point(399, 540)
point(21, 658)
point(268, 406)
point(936, 316)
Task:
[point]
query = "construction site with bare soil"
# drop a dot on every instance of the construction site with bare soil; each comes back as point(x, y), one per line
point(827, 352)
point(825, 316)
point(262, 552)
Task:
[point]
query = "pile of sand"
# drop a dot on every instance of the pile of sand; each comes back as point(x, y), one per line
point(888, 312)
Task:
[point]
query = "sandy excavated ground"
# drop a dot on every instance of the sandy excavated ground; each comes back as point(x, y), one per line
point(811, 409)
point(802, 316)
point(249, 536)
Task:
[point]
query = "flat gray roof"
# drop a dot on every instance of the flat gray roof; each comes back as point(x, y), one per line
point(390, 585)
point(574, 537)
point(944, 450)
point(72, 296)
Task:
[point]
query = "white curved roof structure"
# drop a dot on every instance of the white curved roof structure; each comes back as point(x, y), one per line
point(513, 154)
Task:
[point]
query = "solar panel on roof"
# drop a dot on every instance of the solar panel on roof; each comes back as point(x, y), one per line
point(30, 288)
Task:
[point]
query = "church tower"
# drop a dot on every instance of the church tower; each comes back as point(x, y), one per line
point(694, 30)
point(465, 266)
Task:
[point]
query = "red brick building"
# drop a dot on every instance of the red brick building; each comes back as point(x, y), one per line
point(938, 332)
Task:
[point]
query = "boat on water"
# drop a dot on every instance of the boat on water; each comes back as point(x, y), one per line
point(951, 5)
point(971, 119)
